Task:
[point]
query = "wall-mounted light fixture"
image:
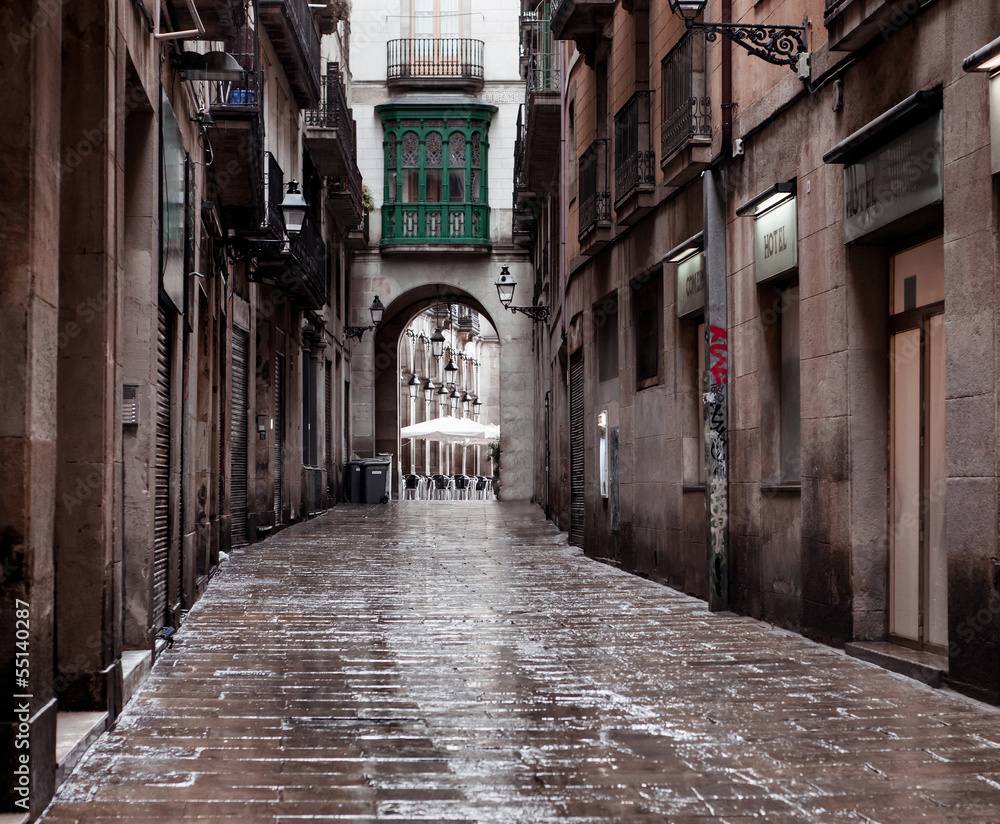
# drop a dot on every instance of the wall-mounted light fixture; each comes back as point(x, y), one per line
point(505, 291)
point(376, 310)
point(780, 45)
point(987, 60)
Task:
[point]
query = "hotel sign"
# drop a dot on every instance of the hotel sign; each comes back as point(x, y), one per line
point(776, 240)
point(691, 285)
point(895, 180)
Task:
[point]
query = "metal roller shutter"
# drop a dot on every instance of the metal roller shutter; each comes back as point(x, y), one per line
point(161, 475)
point(279, 434)
point(576, 477)
point(238, 455)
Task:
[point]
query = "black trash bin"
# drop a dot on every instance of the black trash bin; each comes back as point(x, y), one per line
point(354, 488)
point(376, 487)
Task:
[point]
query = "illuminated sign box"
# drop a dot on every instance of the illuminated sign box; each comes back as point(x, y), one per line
point(776, 240)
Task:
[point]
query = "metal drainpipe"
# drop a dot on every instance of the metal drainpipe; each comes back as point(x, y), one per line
point(716, 379)
point(563, 210)
point(563, 192)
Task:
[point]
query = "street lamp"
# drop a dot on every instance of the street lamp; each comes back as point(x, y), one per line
point(376, 310)
point(466, 402)
point(505, 291)
point(413, 386)
point(477, 407)
point(437, 343)
point(442, 395)
point(450, 371)
point(429, 389)
point(294, 208)
point(780, 45)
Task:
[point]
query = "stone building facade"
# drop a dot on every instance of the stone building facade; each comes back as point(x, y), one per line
point(174, 367)
point(769, 372)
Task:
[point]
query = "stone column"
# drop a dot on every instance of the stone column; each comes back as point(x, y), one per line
point(88, 483)
point(29, 296)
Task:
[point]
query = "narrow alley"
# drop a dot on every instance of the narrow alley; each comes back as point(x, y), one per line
point(459, 662)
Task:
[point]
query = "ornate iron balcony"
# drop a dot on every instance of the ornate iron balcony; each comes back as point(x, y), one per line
point(686, 107)
point(595, 194)
point(289, 25)
point(436, 60)
point(634, 156)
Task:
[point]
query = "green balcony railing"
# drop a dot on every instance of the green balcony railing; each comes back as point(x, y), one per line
point(454, 223)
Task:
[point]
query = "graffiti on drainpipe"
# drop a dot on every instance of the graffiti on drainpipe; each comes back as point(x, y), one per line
point(717, 441)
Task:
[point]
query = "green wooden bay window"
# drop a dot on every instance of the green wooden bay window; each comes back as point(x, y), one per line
point(435, 174)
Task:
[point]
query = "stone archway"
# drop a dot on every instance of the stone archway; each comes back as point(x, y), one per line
point(375, 366)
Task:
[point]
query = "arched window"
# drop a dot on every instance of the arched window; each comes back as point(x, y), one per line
point(391, 168)
point(411, 168)
point(456, 168)
point(432, 166)
point(475, 164)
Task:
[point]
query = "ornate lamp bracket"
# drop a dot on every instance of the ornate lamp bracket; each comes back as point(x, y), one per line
point(780, 45)
point(356, 332)
point(534, 312)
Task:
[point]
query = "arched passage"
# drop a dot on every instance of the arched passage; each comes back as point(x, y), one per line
point(376, 390)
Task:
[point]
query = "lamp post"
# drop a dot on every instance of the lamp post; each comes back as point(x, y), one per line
point(376, 310)
point(780, 45)
point(505, 291)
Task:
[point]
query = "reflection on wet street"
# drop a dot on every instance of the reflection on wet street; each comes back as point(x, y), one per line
point(457, 662)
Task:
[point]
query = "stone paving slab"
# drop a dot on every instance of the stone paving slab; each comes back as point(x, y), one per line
point(457, 662)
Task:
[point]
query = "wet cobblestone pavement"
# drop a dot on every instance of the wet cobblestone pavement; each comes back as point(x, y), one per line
point(457, 662)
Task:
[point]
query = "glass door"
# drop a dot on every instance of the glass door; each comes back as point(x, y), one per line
point(918, 572)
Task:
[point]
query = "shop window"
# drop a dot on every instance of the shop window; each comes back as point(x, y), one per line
point(780, 385)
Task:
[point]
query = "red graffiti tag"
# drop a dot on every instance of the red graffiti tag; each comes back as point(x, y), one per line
point(719, 349)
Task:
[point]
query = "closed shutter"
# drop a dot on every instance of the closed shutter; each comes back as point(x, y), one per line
point(576, 510)
point(238, 455)
point(328, 411)
point(161, 475)
point(279, 434)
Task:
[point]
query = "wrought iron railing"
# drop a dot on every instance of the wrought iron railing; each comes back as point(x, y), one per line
point(519, 149)
point(244, 94)
point(468, 320)
point(686, 107)
point(348, 186)
point(453, 223)
point(308, 251)
point(595, 196)
point(333, 112)
point(274, 193)
point(435, 58)
point(543, 73)
point(634, 156)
